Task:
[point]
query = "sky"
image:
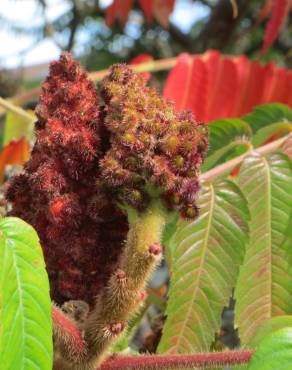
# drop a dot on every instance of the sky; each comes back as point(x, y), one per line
point(26, 14)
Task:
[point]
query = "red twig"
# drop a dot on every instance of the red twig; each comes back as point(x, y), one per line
point(66, 328)
point(177, 361)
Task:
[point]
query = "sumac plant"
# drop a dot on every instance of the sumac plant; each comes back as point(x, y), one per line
point(117, 179)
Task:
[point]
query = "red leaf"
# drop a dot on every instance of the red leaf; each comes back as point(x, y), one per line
point(215, 86)
point(142, 58)
point(223, 84)
point(289, 77)
point(119, 10)
point(280, 10)
point(147, 7)
point(212, 58)
point(265, 10)
point(277, 85)
point(186, 85)
point(162, 10)
point(251, 77)
point(110, 15)
point(16, 152)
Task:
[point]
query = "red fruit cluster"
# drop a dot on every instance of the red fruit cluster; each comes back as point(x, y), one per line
point(58, 193)
point(91, 153)
point(154, 151)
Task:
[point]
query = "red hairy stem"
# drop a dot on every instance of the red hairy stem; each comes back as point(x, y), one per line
point(70, 330)
point(66, 328)
point(178, 361)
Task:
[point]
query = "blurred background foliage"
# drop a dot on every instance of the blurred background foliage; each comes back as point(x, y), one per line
point(100, 39)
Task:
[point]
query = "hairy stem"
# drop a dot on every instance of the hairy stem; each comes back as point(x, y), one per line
point(65, 330)
point(199, 360)
point(65, 327)
point(229, 165)
point(7, 105)
point(123, 295)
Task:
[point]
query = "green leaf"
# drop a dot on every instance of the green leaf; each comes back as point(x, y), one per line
point(274, 352)
point(264, 287)
point(25, 308)
point(2, 127)
point(225, 135)
point(267, 120)
point(267, 132)
point(17, 127)
point(269, 327)
point(205, 265)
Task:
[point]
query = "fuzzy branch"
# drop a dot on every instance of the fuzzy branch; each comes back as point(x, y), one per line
point(201, 360)
point(66, 332)
point(123, 295)
point(15, 109)
point(231, 164)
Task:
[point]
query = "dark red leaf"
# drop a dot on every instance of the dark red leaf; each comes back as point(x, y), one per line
point(162, 10)
point(110, 15)
point(265, 10)
point(280, 10)
point(118, 10)
point(147, 7)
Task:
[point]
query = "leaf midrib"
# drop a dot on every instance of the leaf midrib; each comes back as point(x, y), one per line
point(200, 268)
point(267, 313)
point(269, 222)
point(21, 307)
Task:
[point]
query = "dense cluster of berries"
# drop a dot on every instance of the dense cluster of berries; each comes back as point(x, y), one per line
point(126, 145)
point(153, 150)
point(58, 193)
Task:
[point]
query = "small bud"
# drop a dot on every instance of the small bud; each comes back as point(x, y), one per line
point(132, 162)
point(187, 146)
point(143, 295)
point(186, 127)
point(116, 328)
point(170, 144)
point(121, 276)
point(191, 173)
point(118, 73)
point(172, 199)
point(202, 145)
point(128, 139)
point(178, 161)
point(155, 249)
point(189, 212)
